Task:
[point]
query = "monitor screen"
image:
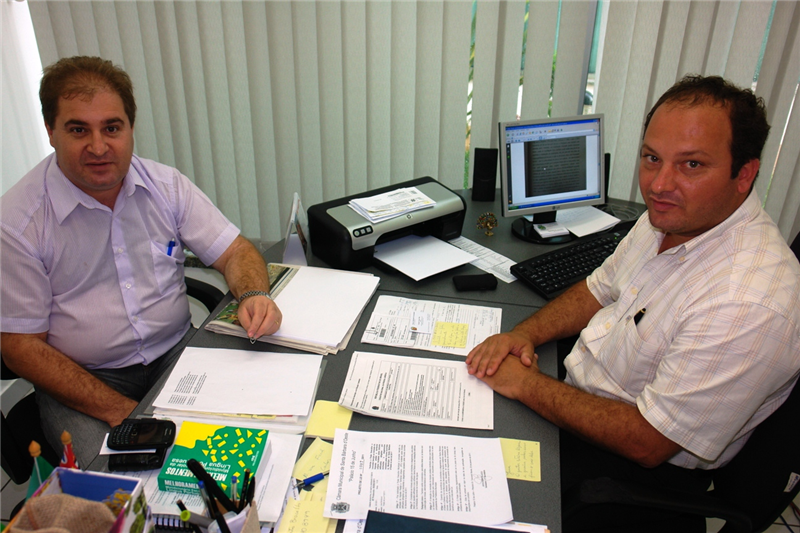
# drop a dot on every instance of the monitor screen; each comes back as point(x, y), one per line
point(550, 164)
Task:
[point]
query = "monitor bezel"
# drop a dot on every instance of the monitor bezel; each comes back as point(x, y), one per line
point(504, 184)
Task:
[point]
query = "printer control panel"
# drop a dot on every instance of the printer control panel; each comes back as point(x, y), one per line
point(362, 232)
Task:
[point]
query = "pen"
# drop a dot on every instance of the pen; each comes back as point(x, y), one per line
point(638, 316)
point(234, 495)
point(218, 516)
point(211, 485)
point(245, 487)
point(182, 507)
point(313, 479)
point(251, 490)
point(195, 520)
point(170, 246)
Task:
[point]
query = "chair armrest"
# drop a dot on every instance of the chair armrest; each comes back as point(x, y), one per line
point(606, 490)
point(205, 293)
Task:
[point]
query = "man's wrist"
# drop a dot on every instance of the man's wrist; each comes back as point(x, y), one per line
point(248, 294)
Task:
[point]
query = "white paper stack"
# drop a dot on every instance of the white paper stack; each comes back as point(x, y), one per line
point(391, 204)
point(320, 307)
point(236, 387)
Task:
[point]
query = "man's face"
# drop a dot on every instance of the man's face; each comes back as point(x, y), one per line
point(685, 170)
point(93, 140)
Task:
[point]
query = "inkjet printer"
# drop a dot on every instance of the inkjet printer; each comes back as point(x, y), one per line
point(344, 239)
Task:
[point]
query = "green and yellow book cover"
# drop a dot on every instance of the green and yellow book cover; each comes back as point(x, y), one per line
point(224, 451)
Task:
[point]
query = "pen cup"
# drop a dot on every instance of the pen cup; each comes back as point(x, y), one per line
point(235, 522)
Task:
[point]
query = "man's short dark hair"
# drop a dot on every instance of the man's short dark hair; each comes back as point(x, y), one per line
point(83, 76)
point(747, 113)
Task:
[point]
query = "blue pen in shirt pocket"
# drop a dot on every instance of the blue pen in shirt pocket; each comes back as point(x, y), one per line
point(170, 247)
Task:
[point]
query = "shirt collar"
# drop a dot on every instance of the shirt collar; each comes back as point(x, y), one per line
point(65, 197)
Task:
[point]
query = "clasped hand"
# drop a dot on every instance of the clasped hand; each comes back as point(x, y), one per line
point(489, 362)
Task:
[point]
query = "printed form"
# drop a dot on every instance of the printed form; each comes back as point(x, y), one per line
point(442, 477)
point(432, 326)
point(426, 391)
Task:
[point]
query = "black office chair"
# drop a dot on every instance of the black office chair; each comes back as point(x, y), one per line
point(749, 493)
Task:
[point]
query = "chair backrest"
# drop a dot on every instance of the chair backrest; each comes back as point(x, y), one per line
point(764, 477)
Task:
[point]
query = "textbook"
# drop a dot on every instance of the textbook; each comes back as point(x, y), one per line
point(224, 451)
point(320, 307)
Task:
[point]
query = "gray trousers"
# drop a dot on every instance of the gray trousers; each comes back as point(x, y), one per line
point(88, 433)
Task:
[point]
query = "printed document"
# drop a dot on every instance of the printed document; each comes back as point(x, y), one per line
point(225, 381)
point(391, 204)
point(442, 477)
point(487, 259)
point(429, 325)
point(427, 391)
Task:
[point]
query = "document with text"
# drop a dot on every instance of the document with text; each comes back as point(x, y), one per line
point(442, 477)
point(428, 325)
point(415, 389)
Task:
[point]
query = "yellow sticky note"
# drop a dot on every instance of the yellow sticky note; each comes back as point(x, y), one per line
point(316, 459)
point(450, 335)
point(326, 418)
point(303, 516)
point(522, 460)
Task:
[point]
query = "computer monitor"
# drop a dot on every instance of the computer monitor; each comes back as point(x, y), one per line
point(547, 165)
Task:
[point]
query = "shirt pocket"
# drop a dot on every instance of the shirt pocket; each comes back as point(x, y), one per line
point(629, 359)
point(168, 269)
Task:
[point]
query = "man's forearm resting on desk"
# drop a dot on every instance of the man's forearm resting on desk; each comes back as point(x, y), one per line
point(609, 424)
point(245, 271)
point(565, 316)
point(31, 358)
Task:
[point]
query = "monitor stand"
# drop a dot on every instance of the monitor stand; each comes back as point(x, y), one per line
point(523, 229)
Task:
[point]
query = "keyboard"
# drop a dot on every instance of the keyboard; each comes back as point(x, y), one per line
point(552, 273)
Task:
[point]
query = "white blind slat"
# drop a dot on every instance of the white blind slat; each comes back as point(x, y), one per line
point(331, 106)
point(572, 58)
point(354, 83)
point(427, 116)
point(455, 74)
point(746, 43)
point(403, 90)
point(379, 93)
point(483, 130)
point(539, 48)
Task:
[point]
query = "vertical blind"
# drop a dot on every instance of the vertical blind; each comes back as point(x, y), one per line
point(256, 100)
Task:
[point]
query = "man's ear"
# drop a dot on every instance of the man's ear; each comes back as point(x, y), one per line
point(49, 133)
point(747, 175)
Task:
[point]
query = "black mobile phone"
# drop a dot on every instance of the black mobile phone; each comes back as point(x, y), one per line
point(132, 462)
point(142, 434)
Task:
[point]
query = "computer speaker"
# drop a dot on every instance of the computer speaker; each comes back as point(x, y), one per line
point(484, 175)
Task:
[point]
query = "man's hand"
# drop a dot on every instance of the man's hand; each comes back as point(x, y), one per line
point(259, 316)
point(485, 359)
point(512, 378)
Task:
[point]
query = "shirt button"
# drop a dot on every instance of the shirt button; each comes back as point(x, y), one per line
point(119, 250)
point(135, 319)
point(682, 259)
point(634, 291)
point(608, 325)
point(127, 285)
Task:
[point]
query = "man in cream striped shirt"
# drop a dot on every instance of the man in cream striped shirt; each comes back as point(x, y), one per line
point(689, 333)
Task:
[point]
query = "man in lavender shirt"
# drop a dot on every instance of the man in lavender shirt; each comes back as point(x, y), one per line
point(94, 305)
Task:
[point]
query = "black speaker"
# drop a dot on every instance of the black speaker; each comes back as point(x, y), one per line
point(484, 175)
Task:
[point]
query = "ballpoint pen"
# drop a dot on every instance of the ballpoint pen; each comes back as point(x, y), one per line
point(311, 480)
point(170, 247)
point(638, 316)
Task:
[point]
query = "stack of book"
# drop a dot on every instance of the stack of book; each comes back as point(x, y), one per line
point(320, 307)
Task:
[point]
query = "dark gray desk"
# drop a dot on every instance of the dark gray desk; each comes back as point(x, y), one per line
point(531, 502)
